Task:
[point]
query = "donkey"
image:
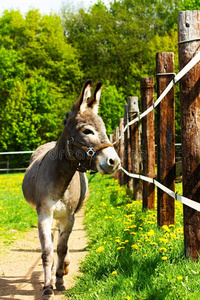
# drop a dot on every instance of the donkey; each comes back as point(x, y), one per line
point(55, 183)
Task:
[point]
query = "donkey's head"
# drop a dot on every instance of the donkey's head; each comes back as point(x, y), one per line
point(87, 141)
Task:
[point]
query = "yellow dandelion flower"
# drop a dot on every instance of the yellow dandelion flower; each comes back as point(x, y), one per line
point(114, 272)
point(127, 298)
point(179, 230)
point(100, 249)
point(120, 248)
point(132, 226)
point(180, 277)
point(163, 249)
point(154, 244)
point(151, 232)
point(133, 233)
point(164, 258)
point(134, 247)
point(165, 228)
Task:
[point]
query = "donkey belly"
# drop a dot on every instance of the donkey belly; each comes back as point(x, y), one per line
point(73, 197)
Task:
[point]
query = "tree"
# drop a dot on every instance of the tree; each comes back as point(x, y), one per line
point(112, 106)
point(120, 43)
point(40, 77)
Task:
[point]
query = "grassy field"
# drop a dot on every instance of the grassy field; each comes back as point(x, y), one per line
point(16, 216)
point(129, 256)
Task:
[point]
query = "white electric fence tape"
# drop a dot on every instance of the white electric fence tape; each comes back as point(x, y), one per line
point(182, 199)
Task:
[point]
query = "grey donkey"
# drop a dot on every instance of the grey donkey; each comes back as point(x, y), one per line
point(55, 183)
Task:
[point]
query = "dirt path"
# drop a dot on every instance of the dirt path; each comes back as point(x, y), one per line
point(21, 272)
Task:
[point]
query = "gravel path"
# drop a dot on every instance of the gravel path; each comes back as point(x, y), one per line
point(21, 271)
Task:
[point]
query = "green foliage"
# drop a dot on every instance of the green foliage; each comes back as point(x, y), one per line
point(112, 106)
point(39, 77)
point(130, 257)
point(113, 44)
point(119, 43)
point(42, 69)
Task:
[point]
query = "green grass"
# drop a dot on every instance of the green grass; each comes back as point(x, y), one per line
point(129, 256)
point(16, 215)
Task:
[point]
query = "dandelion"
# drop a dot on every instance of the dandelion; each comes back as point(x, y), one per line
point(154, 244)
point(180, 277)
point(165, 228)
point(132, 226)
point(151, 232)
point(179, 230)
point(164, 258)
point(114, 272)
point(100, 249)
point(120, 248)
point(163, 249)
point(133, 233)
point(134, 247)
point(127, 298)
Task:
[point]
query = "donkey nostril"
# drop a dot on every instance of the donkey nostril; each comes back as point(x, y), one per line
point(111, 162)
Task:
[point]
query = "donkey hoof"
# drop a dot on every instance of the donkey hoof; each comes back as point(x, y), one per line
point(60, 284)
point(48, 293)
point(66, 267)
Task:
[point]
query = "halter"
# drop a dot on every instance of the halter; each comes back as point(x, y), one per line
point(90, 151)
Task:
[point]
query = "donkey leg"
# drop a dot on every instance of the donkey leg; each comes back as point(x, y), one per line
point(44, 227)
point(62, 269)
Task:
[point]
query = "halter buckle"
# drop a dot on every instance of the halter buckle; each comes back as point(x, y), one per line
point(90, 152)
point(70, 140)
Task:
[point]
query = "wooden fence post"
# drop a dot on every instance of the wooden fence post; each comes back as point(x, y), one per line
point(166, 138)
point(189, 45)
point(126, 147)
point(133, 111)
point(148, 142)
point(116, 175)
point(121, 149)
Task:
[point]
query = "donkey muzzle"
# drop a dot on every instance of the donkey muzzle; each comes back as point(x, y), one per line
point(108, 161)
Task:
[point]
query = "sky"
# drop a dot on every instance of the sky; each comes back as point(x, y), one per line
point(45, 6)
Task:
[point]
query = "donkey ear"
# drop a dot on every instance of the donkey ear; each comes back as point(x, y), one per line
point(94, 100)
point(85, 94)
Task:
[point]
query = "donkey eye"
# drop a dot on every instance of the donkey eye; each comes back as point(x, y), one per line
point(88, 131)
